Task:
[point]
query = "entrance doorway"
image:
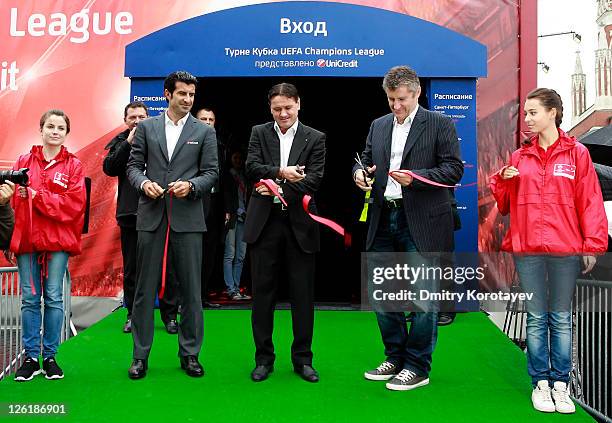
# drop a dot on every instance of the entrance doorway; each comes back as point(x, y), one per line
point(343, 108)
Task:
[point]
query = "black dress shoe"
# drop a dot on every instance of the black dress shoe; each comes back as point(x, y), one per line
point(307, 372)
point(127, 328)
point(261, 372)
point(445, 319)
point(172, 327)
point(191, 366)
point(138, 369)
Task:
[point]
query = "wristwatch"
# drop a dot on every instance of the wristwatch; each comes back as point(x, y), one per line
point(191, 186)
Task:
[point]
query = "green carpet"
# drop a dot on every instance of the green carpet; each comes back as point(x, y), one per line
point(478, 375)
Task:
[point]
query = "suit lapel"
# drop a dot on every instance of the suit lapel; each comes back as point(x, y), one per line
point(387, 131)
point(160, 129)
point(416, 129)
point(273, 143)
point(300, 140)
point(186, 134)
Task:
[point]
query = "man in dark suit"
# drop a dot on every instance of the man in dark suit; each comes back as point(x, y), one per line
point(293, 156)
point(115, 164)
point(179, 154)
point(213, 212)
point(408, 215)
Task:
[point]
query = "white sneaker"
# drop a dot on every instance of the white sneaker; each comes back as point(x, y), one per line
point(563, 402)
point(541, 399)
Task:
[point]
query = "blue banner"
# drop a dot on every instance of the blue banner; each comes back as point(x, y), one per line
point(305, 39)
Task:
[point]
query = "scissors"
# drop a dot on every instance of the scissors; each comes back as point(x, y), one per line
point(360, 163)
point(168, 188)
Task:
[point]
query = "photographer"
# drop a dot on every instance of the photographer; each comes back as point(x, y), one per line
point(49, 216)
point(7, 219)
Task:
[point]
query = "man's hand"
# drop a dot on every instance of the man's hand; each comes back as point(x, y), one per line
point(7, 189)
point(264, 190)
point(180, 189)
point(402, 178)
point(292, 173)
point(362, 180)
point(589, 263)
point(130, 138)
point(152, 189)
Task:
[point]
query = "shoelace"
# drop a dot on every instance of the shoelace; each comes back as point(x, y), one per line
point(544, 394)
point(385, 366)
point(562, 395)
point(405, 375)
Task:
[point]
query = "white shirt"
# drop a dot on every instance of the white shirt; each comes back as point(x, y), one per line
point(173, 132)
point(393, 191)
point(286, 141)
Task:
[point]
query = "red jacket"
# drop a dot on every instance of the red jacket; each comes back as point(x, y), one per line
point(555, 207)
point(57, 208)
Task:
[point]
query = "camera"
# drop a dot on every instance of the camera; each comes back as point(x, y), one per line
point(18, 177)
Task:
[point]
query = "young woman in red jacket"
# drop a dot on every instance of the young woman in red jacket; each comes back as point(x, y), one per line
point(557, 220)
point(49, 217)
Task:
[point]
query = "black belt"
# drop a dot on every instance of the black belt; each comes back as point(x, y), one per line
point(394, 204)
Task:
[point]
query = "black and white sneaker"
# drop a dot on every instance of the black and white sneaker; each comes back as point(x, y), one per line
point(28, 370)
point(51, 370)
point(385, 371)
point(406, 380)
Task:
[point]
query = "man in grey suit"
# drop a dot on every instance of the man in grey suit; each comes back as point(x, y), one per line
point(408, 215)
point(179, 154)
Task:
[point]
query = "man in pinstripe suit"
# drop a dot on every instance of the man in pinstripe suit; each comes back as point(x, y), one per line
point(408, 215)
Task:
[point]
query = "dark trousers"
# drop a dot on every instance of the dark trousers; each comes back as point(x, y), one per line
point(129, 239)
point(212, 239)
point(277, 251)
point(168, 306)
point(185, 254)
point(409, 349)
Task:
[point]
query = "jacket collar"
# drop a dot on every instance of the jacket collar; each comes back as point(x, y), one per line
point(121, 136)
point(565, 143)
point(38, 153)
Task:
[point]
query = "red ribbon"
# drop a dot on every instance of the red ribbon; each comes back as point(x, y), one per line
point(165, 259)
point(429, 181)
point(271, 185)
point(327, 222)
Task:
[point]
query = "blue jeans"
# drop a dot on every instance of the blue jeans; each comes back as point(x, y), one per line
point(233, 257)
point(552, 280)
point(30, 273)
point(409, 349)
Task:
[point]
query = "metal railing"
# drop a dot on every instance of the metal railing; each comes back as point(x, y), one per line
point(591, 378)
point(592, 348)
point(11, 343)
